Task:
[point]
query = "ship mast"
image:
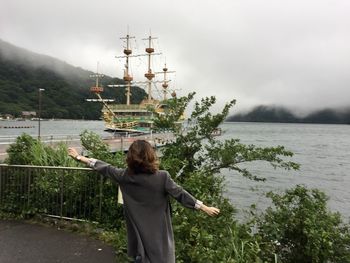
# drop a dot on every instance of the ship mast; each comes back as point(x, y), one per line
point(149, 75)
point(127, 77)
point(97, 89)
point(165, 81)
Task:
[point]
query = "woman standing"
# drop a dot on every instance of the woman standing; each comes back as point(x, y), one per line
point(145, 192)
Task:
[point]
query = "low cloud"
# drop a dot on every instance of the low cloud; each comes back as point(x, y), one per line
point(290, 53)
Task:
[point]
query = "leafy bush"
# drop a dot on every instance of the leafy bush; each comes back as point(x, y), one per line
point(20, 152)
point(299, 228)
point(80, 188)
point(30, 151)
point(98, 149)
point(200, 238)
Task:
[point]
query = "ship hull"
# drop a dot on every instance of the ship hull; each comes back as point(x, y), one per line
point(135, 118)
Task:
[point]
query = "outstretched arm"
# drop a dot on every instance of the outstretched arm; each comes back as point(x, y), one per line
point(186, 199)
point(109, 171)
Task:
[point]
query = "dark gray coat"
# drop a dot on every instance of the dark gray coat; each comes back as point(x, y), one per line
point(147, 211)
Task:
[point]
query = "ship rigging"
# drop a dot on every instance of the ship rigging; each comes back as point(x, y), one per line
point(128, 117)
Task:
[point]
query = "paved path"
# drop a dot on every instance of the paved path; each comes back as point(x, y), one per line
point(30, 243)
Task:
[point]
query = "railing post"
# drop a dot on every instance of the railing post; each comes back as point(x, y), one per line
point(0, 185)
point(61, 198)
point(29, 182)
point(100, 194)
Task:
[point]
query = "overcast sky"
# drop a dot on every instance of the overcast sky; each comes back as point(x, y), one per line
point(272, 52)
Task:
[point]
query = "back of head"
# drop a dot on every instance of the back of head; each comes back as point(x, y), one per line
point(142, 158)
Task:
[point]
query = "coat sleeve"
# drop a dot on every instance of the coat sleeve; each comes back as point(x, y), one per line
point(109, 171)
point(177, 192)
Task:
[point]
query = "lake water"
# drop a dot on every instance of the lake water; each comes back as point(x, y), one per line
point(322, 150)
point(48, 128)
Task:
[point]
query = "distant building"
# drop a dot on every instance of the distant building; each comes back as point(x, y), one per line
point(28, 114)
point(7, 116)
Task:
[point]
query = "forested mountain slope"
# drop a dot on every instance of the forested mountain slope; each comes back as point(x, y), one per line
point(23, 72)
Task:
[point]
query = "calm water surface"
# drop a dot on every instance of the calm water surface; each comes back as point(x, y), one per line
point(47, 128)
point(322, 150)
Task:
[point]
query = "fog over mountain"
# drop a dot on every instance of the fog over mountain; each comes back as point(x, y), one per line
point(79, 79)
point(283, 115)
point(23, 56)
point(290, 53)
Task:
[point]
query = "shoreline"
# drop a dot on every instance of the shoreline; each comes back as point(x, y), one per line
point(226, 121)
point(270, 122)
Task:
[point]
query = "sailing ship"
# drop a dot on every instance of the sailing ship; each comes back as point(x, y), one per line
point(133, 118)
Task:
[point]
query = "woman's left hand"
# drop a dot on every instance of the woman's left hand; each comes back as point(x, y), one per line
point(211, 211)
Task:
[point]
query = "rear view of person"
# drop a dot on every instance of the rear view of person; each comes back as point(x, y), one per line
point(146, 191)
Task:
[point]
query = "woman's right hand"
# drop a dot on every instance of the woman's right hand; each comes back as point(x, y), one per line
point(72, 152)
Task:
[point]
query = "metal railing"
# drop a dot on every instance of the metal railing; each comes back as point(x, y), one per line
point(66, 192)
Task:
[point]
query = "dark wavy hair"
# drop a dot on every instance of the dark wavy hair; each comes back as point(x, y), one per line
point(142, 158)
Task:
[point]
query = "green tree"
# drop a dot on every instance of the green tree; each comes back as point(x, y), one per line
point(195, 158)
point(196, 148)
